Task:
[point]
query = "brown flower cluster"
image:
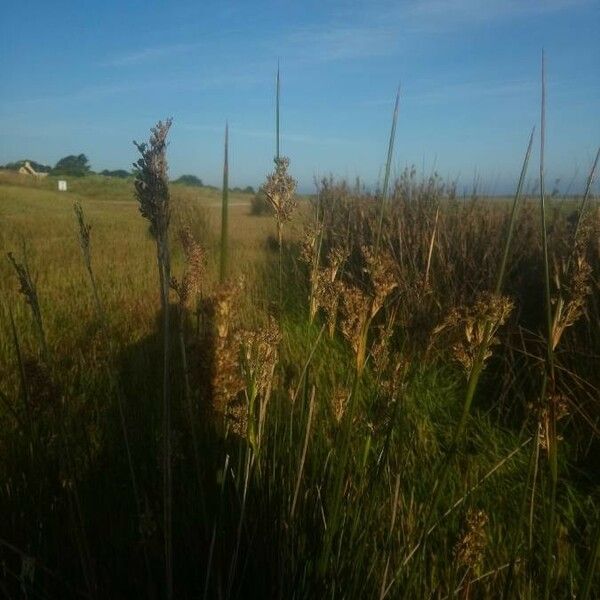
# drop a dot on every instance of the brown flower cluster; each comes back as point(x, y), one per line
point(570, 302)
point(476, 326)
point(559, 404)
point(469, 549)
point(359, 308)
point(195, 267)
point(151, 179)
point(258, 356)
point(226, 379)
point(279, 190)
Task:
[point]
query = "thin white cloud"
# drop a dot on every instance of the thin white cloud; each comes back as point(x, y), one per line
point(300, 138)
point(341, 42)
point(438, 15)
point(144, 55)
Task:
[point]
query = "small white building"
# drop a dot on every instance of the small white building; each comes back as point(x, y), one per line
point(27, 169)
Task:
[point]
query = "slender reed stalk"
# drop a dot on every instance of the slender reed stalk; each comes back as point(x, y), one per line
point(225, 211)
point(84, 230)
point(277, 84)
point(549, 381)
point(21, 365)
point(152, 191)
point(431, 244)
point(28, 290)
point(586, 195)
point(388, 166)
point(311, 407)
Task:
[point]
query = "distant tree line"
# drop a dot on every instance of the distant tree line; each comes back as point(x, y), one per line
point(78, 165)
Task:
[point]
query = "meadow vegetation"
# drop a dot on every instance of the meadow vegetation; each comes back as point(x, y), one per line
point(377, 395)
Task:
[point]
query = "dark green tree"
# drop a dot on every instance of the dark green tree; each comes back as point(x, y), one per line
point(75, 166)
point(189, 180)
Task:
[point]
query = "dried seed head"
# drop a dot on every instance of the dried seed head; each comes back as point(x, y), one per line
point(339, 400)
point(151, 180)
point(473, 328)
point(279, 190)
point(570, 301)
point(469, 549)
point(195, 259)
point(259, 354)
point(226, 379)
point(26, 284)
point(83, 230)
point(558, 403)
point(380, 267)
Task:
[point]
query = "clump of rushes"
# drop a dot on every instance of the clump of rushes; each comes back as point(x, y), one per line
point(488, 322)
point(29, 291)
point(83, 230)
point(152, 192)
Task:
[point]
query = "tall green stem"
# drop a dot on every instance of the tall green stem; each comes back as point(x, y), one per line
point(225, 210)
point(388, 166)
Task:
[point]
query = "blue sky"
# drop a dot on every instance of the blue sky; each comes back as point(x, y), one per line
point(92, 76)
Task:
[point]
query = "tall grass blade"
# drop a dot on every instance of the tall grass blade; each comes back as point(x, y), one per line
point(513, 216)
point(549, 370)
point(388, 166)
point(225, 210)
point(277, 85)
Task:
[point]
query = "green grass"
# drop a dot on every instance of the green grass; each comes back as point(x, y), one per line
point(360, 487)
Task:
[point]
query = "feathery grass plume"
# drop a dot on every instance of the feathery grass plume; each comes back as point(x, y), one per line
point(225, 210)
point(28, 290)
point(258, 359)
point(83, 231)
point(152, 192)
point(388, 166)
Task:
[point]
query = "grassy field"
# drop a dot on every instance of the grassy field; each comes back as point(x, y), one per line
point(367, 408)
